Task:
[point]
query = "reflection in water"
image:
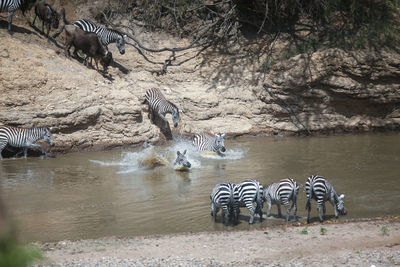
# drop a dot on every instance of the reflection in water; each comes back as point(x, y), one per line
point(88, 195)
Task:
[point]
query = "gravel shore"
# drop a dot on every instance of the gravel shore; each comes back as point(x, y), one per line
point(363, 243)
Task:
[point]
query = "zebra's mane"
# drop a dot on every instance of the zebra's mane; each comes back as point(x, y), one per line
point(174, 106)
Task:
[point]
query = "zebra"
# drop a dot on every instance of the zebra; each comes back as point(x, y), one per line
point(13, 5)
point(246, 193)
point(222, 196)
point(181, 160)
point(106, 35)
point(205, 142)
point(159, 104)
point(318, 188)
point(26, 138)
point(281, 193)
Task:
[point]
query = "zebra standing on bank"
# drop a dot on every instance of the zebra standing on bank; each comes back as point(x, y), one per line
point(25, 138)
point(246, 193)
point(222, 197)
point(160, 105)
point(13, 5)
point(205, 142)
point(106, 36)
point(281, 193)
point(318, 188)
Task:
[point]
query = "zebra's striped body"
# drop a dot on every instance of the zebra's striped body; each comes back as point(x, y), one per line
point(159, 104)
point(318, 188)
point(25, 138)
point(106, 36)
point(13, 5)
point(222, 197)
point(246, 193)
point(281, 193)
point(205, 142)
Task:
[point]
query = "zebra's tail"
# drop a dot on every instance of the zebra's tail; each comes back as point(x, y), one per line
point(66, 22)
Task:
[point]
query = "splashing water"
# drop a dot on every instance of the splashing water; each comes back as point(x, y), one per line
point(233, 154)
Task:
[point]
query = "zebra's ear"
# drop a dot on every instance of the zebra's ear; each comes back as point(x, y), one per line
point(181, 111)
point(178, 153)
point(184, 152)
point(223, 135)
point(124, 35)
point(51, 129)
point(341, 196)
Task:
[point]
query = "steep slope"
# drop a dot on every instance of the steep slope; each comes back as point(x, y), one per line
point(327, 91)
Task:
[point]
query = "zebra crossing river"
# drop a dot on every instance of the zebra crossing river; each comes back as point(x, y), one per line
point(138, 192)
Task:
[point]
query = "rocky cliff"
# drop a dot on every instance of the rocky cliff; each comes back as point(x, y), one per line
point(328, 91)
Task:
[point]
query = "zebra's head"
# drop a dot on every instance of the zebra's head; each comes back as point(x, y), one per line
point(340, 205)
point(120, 42)
point(181, 159)
point(219, 143)
point(47, 136)
point(175, 116)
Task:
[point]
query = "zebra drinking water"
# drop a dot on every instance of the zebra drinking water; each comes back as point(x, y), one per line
point(222, 197)
point(13, 5)
point(318, 188)
point(281, 193)
point(246, 193)
point(106, 36)
point(26, 138)
point(205, 142)
point(159, 104)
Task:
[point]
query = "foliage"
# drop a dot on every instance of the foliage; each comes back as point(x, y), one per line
point(304, 231)
point(323, 231)
point(306, 26)
point(13, 254)
point(384, 230)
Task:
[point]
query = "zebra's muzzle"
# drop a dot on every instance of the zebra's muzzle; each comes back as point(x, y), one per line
point(175, 124)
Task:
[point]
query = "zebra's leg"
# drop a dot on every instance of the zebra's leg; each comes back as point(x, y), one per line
point(286, 203)
point(294, 207)
point(320, 204)
point(250, 207)
point(3, 144)
point(279, 210)
point(10, 16)
point(334, 207)
point(33, 146)
point(214, 210)
point(308, 207)
point(34, 19)
point(225, 214)
point(323, 209)
point(269, 205)
point(260, 213)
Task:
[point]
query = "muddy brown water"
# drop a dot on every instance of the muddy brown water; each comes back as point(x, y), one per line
point(90, 195)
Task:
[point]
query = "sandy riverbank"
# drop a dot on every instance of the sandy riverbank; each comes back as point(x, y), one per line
point(364, 243)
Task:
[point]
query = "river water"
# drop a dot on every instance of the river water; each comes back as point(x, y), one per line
point(97, 194)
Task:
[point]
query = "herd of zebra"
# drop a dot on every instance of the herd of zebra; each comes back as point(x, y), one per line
point(226, 196)
point(230, 197)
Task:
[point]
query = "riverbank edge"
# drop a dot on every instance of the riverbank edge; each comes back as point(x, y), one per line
point(276, 245)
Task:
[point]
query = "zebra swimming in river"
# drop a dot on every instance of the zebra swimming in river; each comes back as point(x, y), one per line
point(222, 197)
point(318, 188)
point(160, 105)
point(246, 193)
point(205, 142)
point(281, 193)
point(13, 5)
point(25, 138)
point(181, 163)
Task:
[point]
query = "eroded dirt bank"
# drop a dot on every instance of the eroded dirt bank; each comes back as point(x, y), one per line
point(342, 244)
point(330, 91)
